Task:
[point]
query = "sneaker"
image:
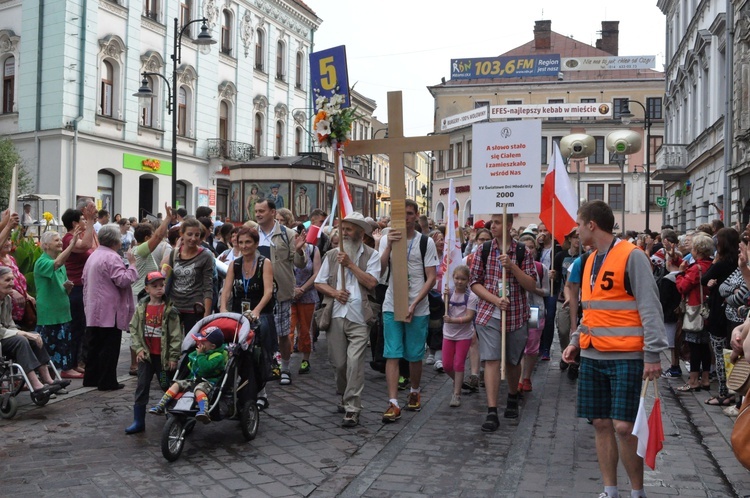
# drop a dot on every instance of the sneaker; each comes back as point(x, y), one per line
point(439, 366)
point(672, 372)
point(414, 404)
point(731, 411)
point(286, 379)
point(403, 383)
point(511, 409)
point(392, 414)
point(304, 367)
point(430, 359)
point(351, 419)
point(455, 400)
point(544, 355)
point(563, 366)
point(471, 384)
point(525, 385)
point(573, 372)
point(491, 423)
point(202, 417)
point(157, 410)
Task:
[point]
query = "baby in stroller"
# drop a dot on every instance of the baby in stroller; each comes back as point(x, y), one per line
point(206, 365)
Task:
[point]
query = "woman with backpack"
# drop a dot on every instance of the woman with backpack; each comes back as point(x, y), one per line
point(536, 300)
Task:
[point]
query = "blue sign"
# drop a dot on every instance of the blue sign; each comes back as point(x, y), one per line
point(514, 66)
point(328, 74)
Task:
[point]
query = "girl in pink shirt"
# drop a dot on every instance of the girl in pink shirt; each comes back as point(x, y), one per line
point(458, 329)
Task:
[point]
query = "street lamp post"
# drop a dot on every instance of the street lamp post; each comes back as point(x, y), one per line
point(204, 42)
point(626, 117)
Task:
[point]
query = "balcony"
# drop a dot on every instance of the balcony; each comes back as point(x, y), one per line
point(671, 163)
point(229, 150)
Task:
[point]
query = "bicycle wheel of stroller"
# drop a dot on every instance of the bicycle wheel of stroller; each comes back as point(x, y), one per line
point(173, 438)
point(250, 419)
point(8, 408)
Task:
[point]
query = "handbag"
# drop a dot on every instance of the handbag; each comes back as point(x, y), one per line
point(741, 435)
point(738, 379)
point(324, 315)
point(695, 316)
point(28, 322)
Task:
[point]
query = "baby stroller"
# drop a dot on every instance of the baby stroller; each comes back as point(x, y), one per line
point(234, 395)
point(12, 381)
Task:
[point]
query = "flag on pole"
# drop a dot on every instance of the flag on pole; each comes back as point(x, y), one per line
point(452, 255)
point(649, 430)
point(344, 196)
point(558, 192)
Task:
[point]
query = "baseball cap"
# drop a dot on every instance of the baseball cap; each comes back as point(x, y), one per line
point(480, 224)
point(659, 257)
point(154, 276)
point(214, 335)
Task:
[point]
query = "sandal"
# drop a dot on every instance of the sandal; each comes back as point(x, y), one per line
point(688, 388)
point(286, 379)
point(262, 403)
point(491, 423)
point(720, 401)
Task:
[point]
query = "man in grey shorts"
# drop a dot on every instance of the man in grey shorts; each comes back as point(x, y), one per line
point(485, 282)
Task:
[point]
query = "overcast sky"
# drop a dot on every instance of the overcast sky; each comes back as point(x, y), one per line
point(407, 45)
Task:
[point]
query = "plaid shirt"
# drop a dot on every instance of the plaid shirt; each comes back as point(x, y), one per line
point(491, 275)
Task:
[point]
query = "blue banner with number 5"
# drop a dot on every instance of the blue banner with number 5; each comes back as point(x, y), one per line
point(328, 74)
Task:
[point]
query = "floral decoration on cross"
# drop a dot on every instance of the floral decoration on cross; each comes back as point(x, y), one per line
point(333, 125)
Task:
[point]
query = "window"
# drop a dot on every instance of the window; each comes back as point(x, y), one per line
point(441, 161)
point(147, 109)
point(459, 155)
point(555, 101)
point(598, 156)
point(616, 196)
point(588, 101)
point(182, 108)
point(260, 44)
point(595, 192)
point(223, 120)
point(469, 152)
point(258, 133)
point(297, 141)
point(185, 16)
point(280, 60)
point(653, 106)
point(654, 144)
point(655, 191)
point(279, 138)
point(151, 9)
point(226, 33)
point(181, 195)
point(105, 189)
point(618, 105)
point(107, 95)
point(482, 103)
point(9, 78)
point(450, 157)
point(298, 70)
point(545, 154)
point(513, 102)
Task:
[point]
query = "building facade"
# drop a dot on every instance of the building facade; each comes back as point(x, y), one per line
point(71, 69)
point(596, 177)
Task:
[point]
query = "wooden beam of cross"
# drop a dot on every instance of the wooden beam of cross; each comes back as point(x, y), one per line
point(395, 146)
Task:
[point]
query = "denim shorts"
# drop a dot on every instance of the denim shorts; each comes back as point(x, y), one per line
point(404, 340)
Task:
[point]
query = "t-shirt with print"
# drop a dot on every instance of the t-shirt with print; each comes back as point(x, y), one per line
point(416, 272)
point(152, 333)
point(146, 262)
point(458, 306)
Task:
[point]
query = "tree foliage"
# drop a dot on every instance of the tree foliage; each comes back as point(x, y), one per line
point(9, 157)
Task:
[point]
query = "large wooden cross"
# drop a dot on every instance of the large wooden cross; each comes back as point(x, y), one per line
point(395, 146)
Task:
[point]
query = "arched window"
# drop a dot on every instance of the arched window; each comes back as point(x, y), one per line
point(105, 189)
point(182, 111)
point(440, 217)
point(279, 138)
point(258, 133)
point(224, 120)
point(260, 43)
point(297, 141)
point(9, 79)
point(280, 61)
point(298, 70)
point(181, 195)
point(107, 96)
point(226, 33)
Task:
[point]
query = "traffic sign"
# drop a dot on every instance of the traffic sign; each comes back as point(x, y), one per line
point(661, 202)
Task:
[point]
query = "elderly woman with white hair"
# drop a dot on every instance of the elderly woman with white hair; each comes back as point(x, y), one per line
point(108, 300)
point(53, 313)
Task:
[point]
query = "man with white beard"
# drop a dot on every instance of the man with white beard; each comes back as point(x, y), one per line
point(352, 315)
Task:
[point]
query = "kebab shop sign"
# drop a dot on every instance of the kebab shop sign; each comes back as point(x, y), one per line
point(507, 168)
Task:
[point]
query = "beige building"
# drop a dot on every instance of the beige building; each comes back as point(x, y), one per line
point(597, 177)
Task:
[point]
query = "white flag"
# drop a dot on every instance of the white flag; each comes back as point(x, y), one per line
point(452, 255)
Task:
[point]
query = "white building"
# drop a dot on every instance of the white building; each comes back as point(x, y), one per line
point(691, 161)
point(70, 69)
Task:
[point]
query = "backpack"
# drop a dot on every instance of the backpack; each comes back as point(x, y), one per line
point(520, 253)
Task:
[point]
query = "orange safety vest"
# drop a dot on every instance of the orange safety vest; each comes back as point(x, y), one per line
point(611, 321)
